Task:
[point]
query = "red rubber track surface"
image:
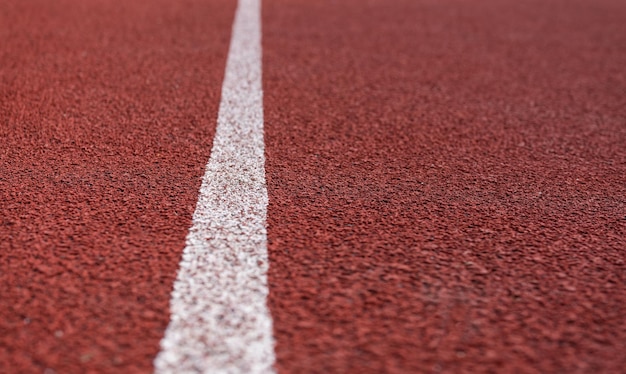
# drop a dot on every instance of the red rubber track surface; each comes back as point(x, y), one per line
point(447, 185)
point(447, 180)
point(107, 114)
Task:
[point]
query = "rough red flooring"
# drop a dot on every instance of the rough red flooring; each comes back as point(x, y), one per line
point(447, 185)
point(107, 113)
point(447, 180)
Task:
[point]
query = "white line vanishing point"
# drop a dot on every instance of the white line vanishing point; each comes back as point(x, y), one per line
point(220, 322)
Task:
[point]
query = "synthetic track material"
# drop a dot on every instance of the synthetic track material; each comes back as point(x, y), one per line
point(107, 115)
point(447, 184)
point(446, 180)
point(220, 321)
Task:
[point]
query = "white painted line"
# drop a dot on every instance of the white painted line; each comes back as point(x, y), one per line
point(220, 322)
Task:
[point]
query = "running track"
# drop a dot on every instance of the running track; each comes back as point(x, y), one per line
point(446, 180)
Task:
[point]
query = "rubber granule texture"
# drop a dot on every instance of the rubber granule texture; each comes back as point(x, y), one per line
point(107, 114)
point(447, 184)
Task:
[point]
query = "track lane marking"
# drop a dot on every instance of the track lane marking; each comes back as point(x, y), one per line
point(220, 322)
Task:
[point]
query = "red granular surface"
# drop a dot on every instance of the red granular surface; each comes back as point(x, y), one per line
point(447, 185)
point(107, 113)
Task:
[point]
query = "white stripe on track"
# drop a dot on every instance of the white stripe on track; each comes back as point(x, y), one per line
point(220, 322)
